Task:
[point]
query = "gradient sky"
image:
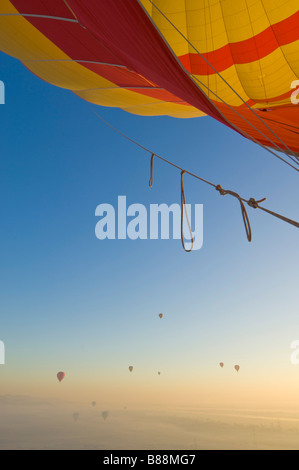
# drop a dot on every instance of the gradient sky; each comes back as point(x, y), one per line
point(90, 308)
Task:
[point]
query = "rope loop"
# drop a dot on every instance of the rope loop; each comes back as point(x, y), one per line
point(183, 208)
point(246, 221)
point(151, 177)
point(245, 217)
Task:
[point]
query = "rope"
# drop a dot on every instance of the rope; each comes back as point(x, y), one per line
point(251, 202)
point(255, 205)
point(151, 177)
point(246, 221)
point(67, 5)
point(147, 150)
point(47, 17)
point(184, 208)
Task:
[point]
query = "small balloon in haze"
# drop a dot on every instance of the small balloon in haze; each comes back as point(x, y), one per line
point(105, 415)
point(75, 416)
point(237, 368)
point(130, 368)
point(159, 373)
point(221, 364)
point(60, 376)
point(160, 315)
point(93, 403)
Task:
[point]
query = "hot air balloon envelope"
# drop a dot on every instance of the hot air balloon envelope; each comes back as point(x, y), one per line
point(229, 60)
point(60, 376)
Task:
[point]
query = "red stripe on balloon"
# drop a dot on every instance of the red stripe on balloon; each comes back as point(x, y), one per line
point(244, 52)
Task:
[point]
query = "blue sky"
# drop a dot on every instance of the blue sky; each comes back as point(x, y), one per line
point(72, 302)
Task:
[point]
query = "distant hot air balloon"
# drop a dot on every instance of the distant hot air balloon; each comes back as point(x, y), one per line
point(160, 315)
point(159, 373)
point(105, 415)
point(60, 376)
point(221, 364)
point(93, 403)
point(237, 368)
point(130, 368)
point(75, 416)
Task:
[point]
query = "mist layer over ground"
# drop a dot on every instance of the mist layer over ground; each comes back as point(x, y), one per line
point(31, 423)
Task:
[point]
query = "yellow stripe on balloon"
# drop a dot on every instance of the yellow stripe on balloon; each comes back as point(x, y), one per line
point(212, 24)
point(149, 107)
point(19, 38)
